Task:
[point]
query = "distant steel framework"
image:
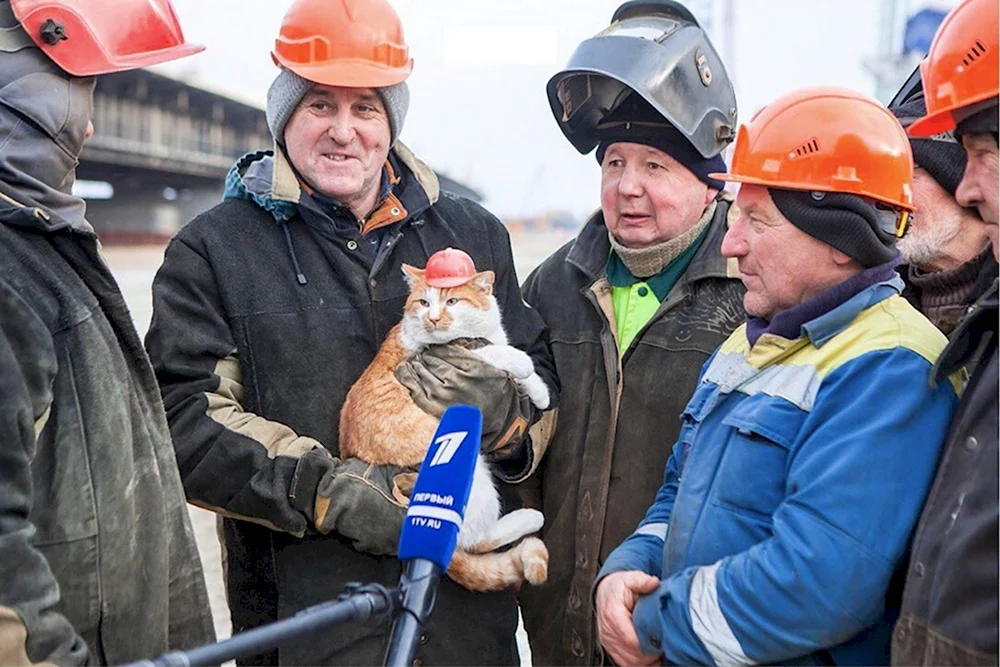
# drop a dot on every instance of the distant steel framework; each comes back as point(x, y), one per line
point(143, 119)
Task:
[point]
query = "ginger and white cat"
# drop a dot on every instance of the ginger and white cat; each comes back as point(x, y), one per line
point(380, 424)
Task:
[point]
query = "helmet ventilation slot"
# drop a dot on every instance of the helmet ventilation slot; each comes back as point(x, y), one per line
point(977, 51)
point(811, 146)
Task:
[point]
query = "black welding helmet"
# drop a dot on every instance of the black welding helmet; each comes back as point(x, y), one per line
point(657, 49)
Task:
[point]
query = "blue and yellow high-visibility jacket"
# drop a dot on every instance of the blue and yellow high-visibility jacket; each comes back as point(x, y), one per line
point(792, 491)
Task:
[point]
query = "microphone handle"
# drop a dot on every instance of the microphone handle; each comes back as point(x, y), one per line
point(359, 604)
point(418, 588)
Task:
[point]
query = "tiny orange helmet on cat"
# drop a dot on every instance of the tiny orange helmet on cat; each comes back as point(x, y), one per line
point(450, 267)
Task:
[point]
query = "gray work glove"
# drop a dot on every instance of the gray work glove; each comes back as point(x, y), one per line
point(363, 502)
point(444, 375)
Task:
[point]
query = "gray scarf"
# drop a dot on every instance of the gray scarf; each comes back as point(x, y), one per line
point(649, 261)
point(44, 114)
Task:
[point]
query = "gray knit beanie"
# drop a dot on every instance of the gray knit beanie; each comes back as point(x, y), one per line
point(289, 88)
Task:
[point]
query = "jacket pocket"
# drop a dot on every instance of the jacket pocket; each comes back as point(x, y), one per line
point(753, 471)
point(74, 565)
point(65, 508)
point(705, 396)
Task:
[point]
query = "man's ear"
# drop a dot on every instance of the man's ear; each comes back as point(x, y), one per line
point(841, 259)
point(412, 274)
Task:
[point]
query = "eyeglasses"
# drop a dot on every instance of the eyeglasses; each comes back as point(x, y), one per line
point(893, 221)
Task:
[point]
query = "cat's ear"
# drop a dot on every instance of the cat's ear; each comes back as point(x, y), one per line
point(484, 281)
point(412, 274)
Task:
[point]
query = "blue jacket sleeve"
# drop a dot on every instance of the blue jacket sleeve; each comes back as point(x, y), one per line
point(859, 472)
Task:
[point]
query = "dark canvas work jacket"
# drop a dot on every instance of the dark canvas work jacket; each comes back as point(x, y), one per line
point(950, 612)
point(617, 420)
point(98, 563)
point(268, 307)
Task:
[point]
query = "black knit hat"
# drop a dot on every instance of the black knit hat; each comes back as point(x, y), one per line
point(847, 222)
point(942, 157)
point(983, 117)
point(635, 121)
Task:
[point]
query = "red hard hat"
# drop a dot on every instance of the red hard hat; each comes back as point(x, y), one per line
point(449, 268)
point(351, 43)
point(90, 37)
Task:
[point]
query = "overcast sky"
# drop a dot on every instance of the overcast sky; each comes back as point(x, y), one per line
point(478, 109)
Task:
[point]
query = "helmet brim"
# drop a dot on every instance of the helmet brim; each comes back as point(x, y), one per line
point(943, 120)
point(931, 124)
point(77, 67)
point(449, 281)
point(805, 187)
point(348, 73)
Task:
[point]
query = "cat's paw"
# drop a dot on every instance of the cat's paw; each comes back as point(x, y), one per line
point(509, 359)
point(511, 527)
point(528, 520)
point(534, 561)
point(537, 391)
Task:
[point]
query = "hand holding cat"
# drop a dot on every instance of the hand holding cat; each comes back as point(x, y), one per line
point(518, 364)
point(443, 375)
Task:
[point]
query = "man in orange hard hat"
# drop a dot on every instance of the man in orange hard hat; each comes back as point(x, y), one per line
point(268, 308)
point(950, 613)
point(98, 563)
point(810, 442)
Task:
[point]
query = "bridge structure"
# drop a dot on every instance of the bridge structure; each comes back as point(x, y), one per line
point(160, 153)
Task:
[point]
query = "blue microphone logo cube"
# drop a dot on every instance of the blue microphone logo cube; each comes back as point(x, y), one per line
point(437, 503)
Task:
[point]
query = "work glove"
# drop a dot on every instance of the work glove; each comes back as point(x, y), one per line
point(362, 502)
point(450, 374)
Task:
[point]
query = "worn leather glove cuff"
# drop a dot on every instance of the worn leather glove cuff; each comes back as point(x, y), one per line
point(311, 468)
point(513, 464)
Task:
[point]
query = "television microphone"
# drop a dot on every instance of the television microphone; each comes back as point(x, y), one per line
point(434, 517)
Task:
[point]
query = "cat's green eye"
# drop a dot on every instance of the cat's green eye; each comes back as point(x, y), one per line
point(452, 302)
point(424, 303)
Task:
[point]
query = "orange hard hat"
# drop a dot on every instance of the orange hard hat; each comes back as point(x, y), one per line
point(449, 268)
point(351, 43)
point(826, 139)
point(90, 37)
point(962, 66)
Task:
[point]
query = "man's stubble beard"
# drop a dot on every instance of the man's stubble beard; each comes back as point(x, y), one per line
point(923, 244)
